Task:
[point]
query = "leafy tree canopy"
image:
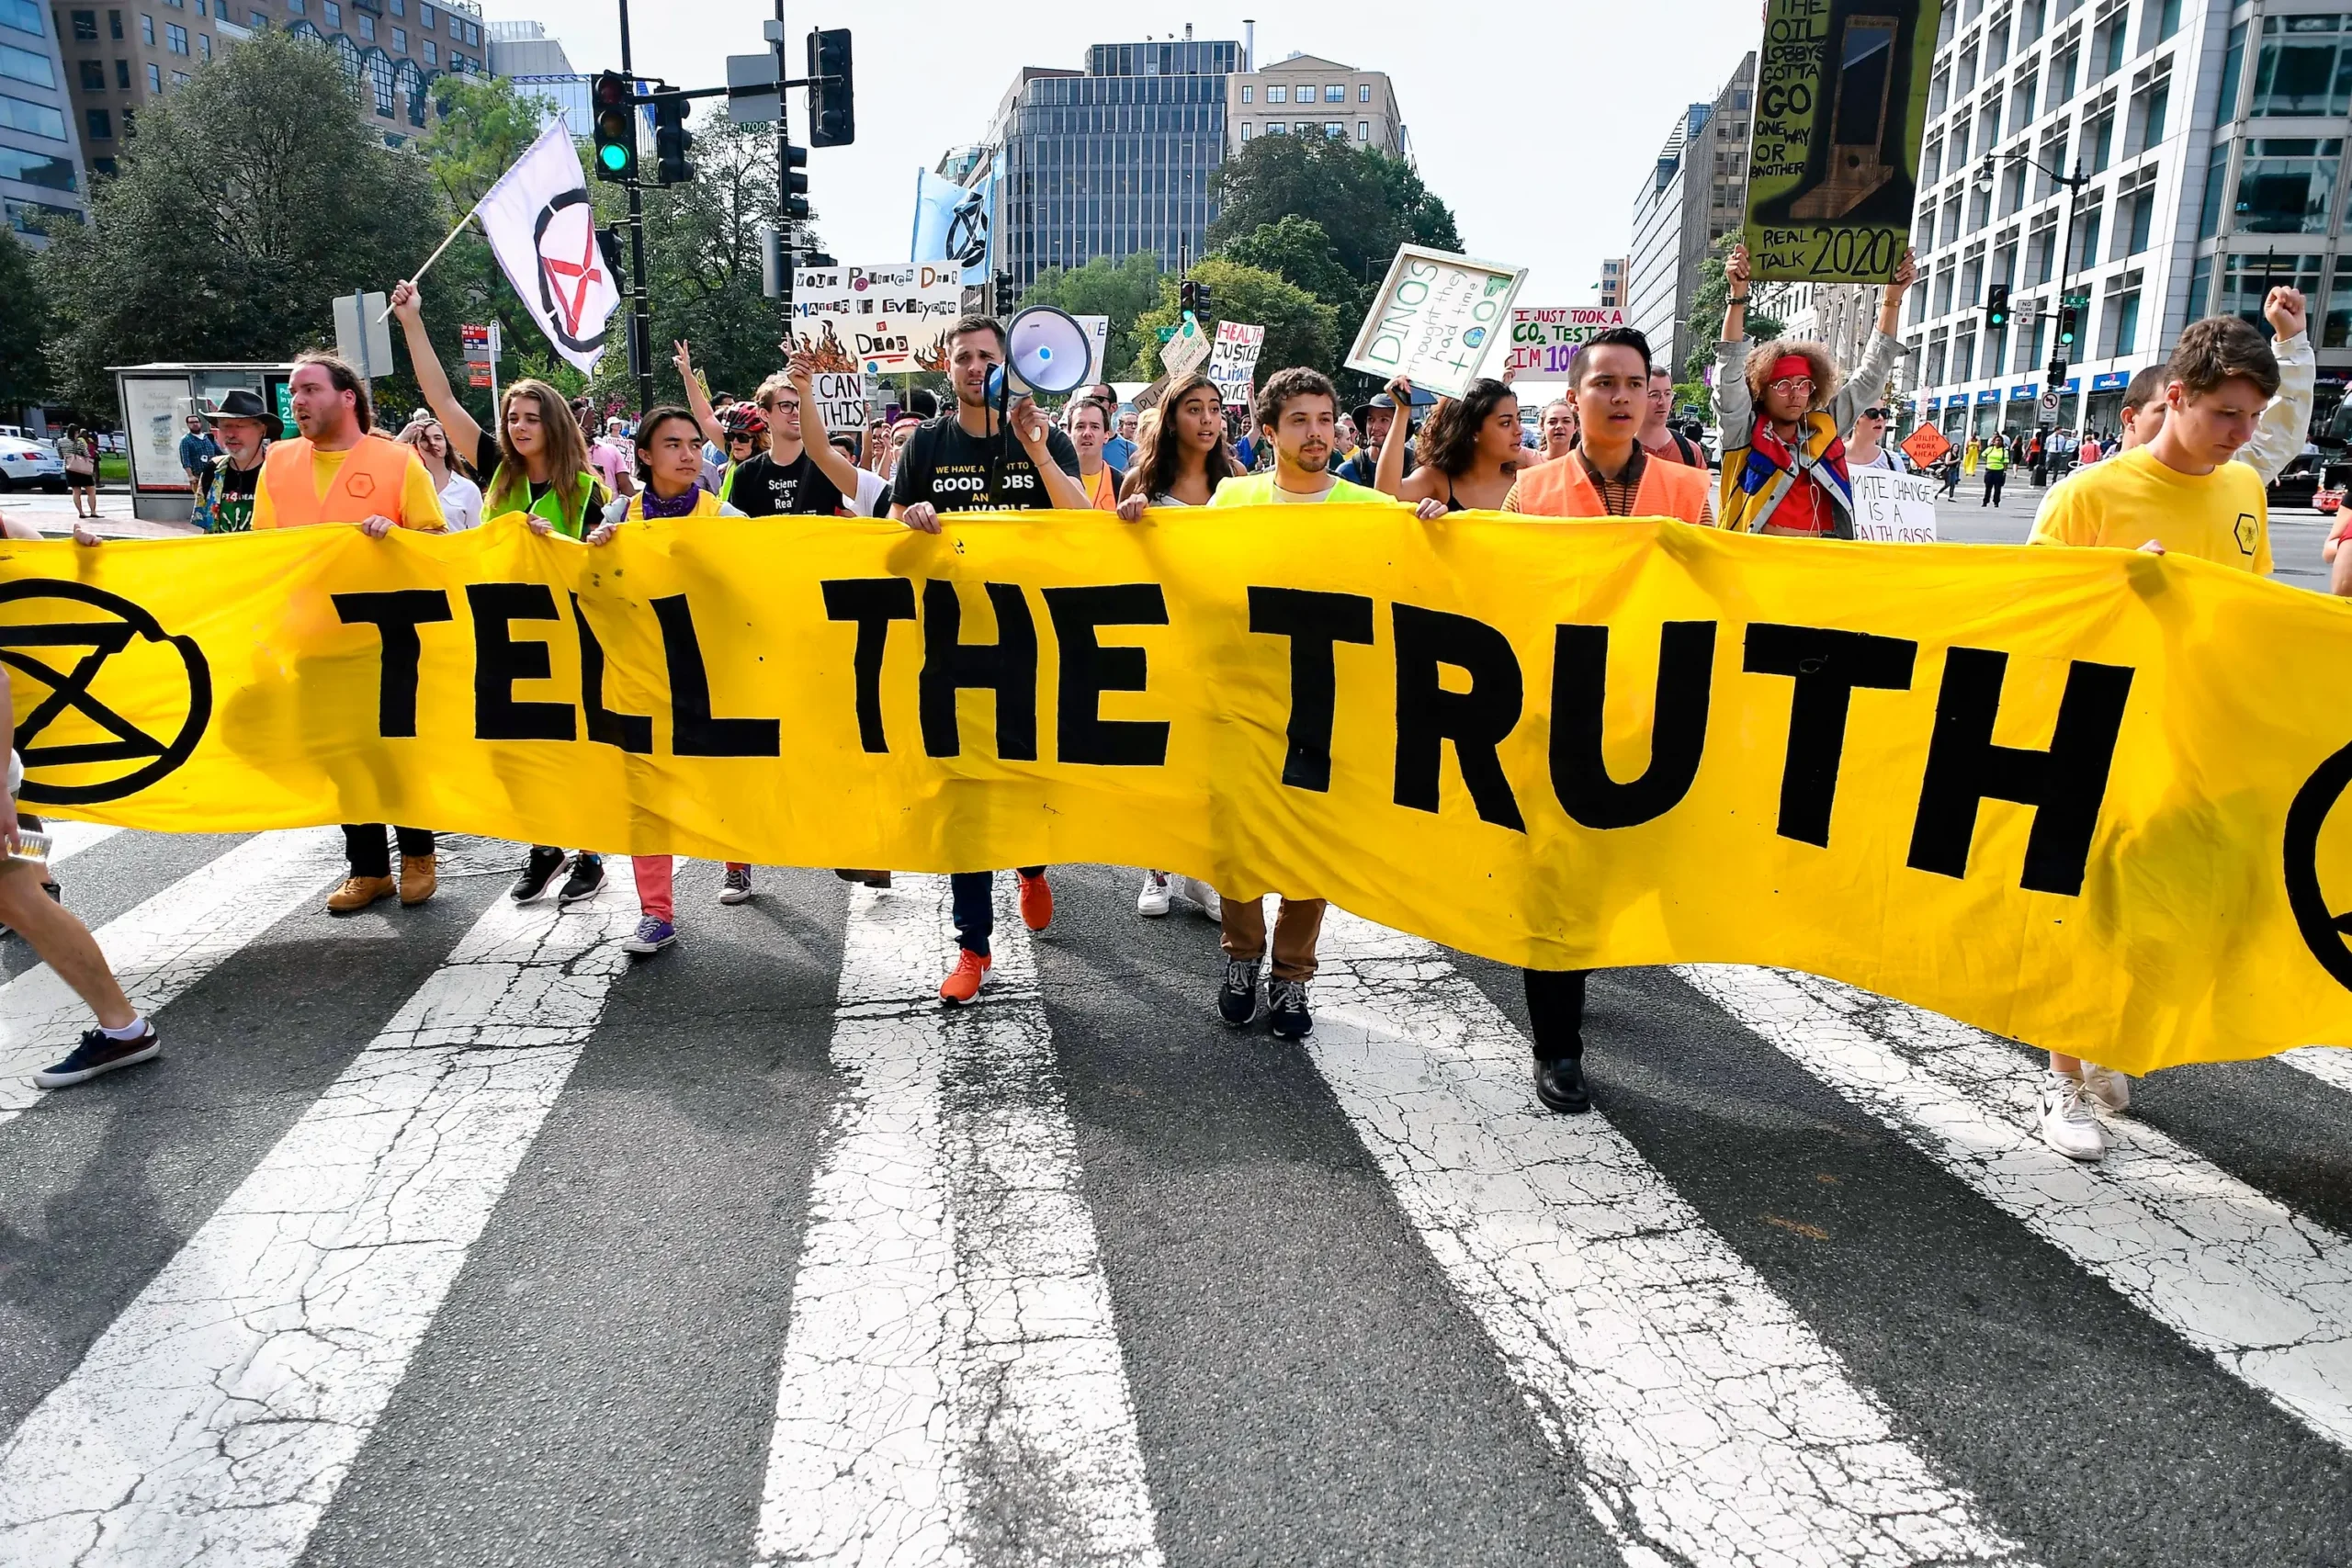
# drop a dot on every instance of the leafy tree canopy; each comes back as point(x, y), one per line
point(24, 377)
point(1300, 329)
point(1122, 290)
point(1366, 202)
point(1298, 250)
point(1707, 306)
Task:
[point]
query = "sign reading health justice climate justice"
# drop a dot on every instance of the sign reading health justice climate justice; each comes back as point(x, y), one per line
point(1544, 338)
point(877, 319)
point(1437, 317)
point(1233, 360)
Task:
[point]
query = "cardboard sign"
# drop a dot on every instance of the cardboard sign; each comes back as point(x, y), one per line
point(1842, 103)
point(876, 319)
point(1894, 509)
point(1926, 445)
point(1436, 317)
point(1182, 353)
point(840, 400)
point(1098, 333)
point(1233, 360)
point(1544, 338)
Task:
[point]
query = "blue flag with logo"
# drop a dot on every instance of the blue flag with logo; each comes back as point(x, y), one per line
point(954, 223)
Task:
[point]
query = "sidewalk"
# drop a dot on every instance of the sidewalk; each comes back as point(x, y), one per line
point(54, 514)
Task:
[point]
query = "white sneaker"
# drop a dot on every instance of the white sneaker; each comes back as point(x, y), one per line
point(1200, 893)
point(1153, 898)
point(2068, 1123)
point(2110, 1088)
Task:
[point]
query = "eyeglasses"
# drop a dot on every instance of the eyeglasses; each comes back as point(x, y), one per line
point(1790, 384)
point(1875, 413)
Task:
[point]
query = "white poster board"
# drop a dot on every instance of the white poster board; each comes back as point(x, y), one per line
point(1182, 353)
point(1436, 319)
point(879, 319)
point(840, 400)
point(1545, 339)
point(1098, 333)
point(1233, 360)
point(1893, 509)
point(154, 417)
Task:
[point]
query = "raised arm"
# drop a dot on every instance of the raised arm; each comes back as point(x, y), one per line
point(698, 400)
point(1388, 472)
point(815, 439)
point(1035, 433)
point(463, 431)
point(1736, 306)
point(2285, 426)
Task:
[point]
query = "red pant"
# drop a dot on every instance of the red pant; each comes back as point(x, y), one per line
point(653, 879)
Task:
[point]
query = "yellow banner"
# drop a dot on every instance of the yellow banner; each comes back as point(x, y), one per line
point(2083, 798)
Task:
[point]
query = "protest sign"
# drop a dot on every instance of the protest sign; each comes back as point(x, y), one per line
point(1098, 336)
point(1841, 102)
point(1544, 338)
point(1893, 509)
point(1233, 360)
point(1926, 445)
point(840, 400)
point(1182, 352)
point(876, 319)
point(1435, 319)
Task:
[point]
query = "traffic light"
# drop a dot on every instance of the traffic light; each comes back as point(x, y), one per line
point(832, 113)
point(1996, 307)
point(2057, 372)
point(671, 137)
point(2070, 321)
point(1200, 305)
point(795, 182)
point(1005, 297)
point(615, 130)
point(1188, 298)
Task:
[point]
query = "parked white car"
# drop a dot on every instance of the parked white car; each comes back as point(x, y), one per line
point(26, 462)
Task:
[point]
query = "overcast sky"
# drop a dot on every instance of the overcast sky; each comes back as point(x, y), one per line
point(1535, 122)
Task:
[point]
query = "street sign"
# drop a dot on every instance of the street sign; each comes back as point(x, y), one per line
point(751, 95)
point(362, 335)
point(2049, 404)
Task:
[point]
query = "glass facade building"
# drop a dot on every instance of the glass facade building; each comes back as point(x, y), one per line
point(42, 182)
point(1114, 161)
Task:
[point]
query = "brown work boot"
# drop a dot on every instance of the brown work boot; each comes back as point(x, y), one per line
point(419, 879)
point(357, 892)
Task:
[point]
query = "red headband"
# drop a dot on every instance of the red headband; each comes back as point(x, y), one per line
point(1792, 365)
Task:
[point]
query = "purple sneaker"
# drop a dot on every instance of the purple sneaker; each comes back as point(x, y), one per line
point(652, 936)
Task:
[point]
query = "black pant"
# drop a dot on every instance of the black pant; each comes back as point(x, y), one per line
point(1993, 478)
point(1555, 1012)
point(972, 895)
point(364, 846)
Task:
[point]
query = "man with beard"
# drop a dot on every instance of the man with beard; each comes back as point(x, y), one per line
point(244, 428)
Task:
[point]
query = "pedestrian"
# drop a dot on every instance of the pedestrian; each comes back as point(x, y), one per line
point(1558, 426)
point(802, 473)
point(1469, 449)
point(1781, 406)
point(460, 497)
point(1868, 448)
point(1610, 474)
point(2038, 460)
point(245, 427)
point(1089, 424)
point(1373, 420)
point(745, 430)
point(964, 461)
point(1997, 470)
point(78, 450)
point(537, 465)
point(1659, 439)
point(873, 497)
point(608, 457)
point(1950, 476)
point(1121, 449)
point(2091, 448)
point(339, 471)
point(1298, 413)
point(197, 451)
point(2176, 492)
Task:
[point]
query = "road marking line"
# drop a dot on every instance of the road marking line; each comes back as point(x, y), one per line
point(67, 839)
point(1706, 1421)
point(164, 946)
point(215, 1419)
point(2264, 1291)
point(952, 1388)
point(2332, 1064)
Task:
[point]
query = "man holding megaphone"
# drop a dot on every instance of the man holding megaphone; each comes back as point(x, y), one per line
point(962, 462)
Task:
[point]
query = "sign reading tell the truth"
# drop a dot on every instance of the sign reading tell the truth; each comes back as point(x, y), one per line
point(1435, 320)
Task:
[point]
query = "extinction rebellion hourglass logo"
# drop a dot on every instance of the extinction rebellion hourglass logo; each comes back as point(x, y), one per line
point(93, 649)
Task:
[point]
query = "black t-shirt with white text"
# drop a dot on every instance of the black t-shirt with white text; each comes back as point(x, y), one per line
point(764, 487)
point(949, 467)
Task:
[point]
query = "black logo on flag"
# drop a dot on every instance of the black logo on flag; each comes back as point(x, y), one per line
point(569, 271)
point(2325, 932)
point(37, 648)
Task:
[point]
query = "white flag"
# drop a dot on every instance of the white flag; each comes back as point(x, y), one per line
point(540, 224)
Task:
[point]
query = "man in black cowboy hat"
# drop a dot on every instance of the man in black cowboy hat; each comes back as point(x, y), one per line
point(1373, 419)
point(244, 426)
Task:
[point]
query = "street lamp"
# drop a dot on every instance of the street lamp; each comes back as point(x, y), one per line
point(1985, 179)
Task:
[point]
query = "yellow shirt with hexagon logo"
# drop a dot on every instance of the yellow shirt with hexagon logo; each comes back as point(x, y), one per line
point(2130, 499)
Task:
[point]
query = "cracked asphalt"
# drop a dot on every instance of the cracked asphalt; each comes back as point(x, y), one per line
point(443, 1236)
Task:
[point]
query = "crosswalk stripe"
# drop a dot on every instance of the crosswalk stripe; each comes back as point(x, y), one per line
point(2267, 1292)
point(67, 839)
point(1709, 1423)
point(2332, 1064)
point(164, 946)
point(214, 1419)
point(952, 1386)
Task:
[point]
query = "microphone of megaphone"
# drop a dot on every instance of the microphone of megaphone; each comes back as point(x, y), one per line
point(1047, 351)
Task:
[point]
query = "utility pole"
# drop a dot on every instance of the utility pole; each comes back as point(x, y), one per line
point(785, 237)
point(640, 329)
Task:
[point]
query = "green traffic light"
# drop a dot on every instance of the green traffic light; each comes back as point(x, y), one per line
point(613, 158)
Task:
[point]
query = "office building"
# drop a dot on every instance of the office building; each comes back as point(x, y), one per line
point(2210, 141)
point(119, 56)
point(1309, 95)
point(1612, 286)
point(42, 183)
point(1694, 194)
point(526, 54)
point(1107, 161)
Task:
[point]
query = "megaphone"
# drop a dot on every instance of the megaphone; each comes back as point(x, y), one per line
point(1045, 350)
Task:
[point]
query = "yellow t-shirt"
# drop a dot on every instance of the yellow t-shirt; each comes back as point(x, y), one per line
point(2130, 498)
point(420, 502)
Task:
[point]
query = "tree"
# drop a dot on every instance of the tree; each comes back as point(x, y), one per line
point(1121, 290)
point(23, 377)
point(1706, 313)
point(1298, 250)
point(480, 129)
point(1366, 202)
point(1300, 329)
point(249, 200)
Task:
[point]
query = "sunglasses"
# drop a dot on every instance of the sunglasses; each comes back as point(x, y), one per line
point(1792, 384)
point(1878, 414)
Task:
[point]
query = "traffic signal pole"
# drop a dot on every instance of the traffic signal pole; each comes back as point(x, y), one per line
point(640, 334)
point(785, 238)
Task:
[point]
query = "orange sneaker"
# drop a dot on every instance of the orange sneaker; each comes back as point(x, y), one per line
point(1037, 902)
point(962, 982)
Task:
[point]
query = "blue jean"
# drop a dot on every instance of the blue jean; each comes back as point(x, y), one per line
point(973, 895)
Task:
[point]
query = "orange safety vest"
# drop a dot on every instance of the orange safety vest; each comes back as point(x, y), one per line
point(1560, 488)
point(367, 485)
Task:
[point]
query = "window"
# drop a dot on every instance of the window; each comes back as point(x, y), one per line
point(2225, 107)
point(1932, 161)
point(122, 75)
point(1304, 127)
point(85, 23)
point(1938, 90)
point(2087, 238)
point(1246, 89)
point(1971, 280)
point(204, 45)
point(2246, 281)
point(39, 169)
point(114, 26)
point(2284, 184)
point(126, 124)
point(1245, 124)
point(334, 13)
point(1965, 81)
point(1277, 127)
point(1936, 344)
point(2140, 211)
point(1363, 92)
point(2013, 188)
point(147, 32)
point(2061, 75)
point(2124, 318)
point(2336, 331)
point(179, 78)
point(1996, 43)
point(426, 17)
point(1334, 130)
point(1964, 352)
point(101, 124)
point(400, 7)
point(1277, 93)
point(2041, 251)
point(2217, 175)
point(2305, 67)
point(2100, 134)
point(380, 70)
point(38, 119)
point(432, 52)
point(2108, 47)
point(154, 78)
point(1980, 209)
point(1363, 130)
point(1336, 93)
point(93, 75)
point(2029, 16)
point(258, 21)
point(26, 66)
point(399, 40)
point(2149, 112)
point(175, 37)
point(367, 27)
point(2021, 101)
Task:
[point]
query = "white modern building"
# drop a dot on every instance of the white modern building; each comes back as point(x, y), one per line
point(1693, 194)
point(2209, 137)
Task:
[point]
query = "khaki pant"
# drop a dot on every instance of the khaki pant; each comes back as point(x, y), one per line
point(1296, 927)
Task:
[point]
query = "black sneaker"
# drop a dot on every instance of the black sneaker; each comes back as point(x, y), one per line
point(56, 895)
point(1560, 1085)
point(587, 875)
point(1237, 1000)
point(1286, 1012)
point(98, 1053)
point(538, 871)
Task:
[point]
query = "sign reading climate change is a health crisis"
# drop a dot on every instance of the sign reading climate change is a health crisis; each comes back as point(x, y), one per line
point(2029, 787)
